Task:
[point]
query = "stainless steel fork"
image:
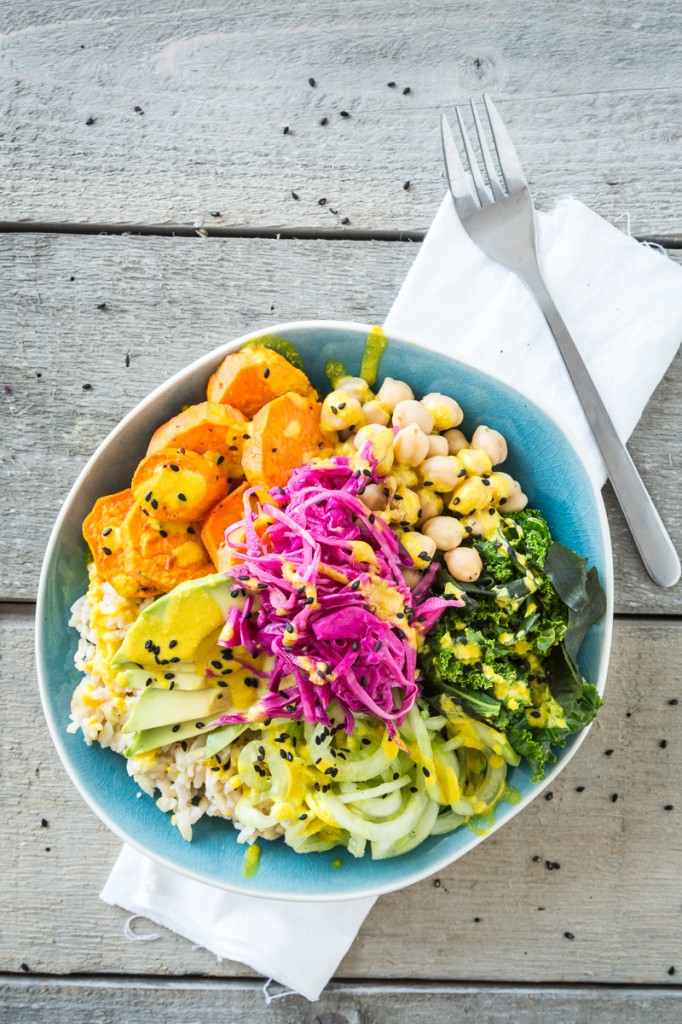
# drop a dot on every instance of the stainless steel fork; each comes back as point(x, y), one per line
point(501, 221)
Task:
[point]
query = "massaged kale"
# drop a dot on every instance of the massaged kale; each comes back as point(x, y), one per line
point(508, 657)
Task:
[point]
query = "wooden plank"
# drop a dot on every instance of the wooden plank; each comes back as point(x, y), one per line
point(169, 301)
point(497, 914)
point(216, 1002)
point(165, 113)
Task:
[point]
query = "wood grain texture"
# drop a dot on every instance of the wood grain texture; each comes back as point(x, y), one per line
point(188, 107)
point(167, 301)
point(497, 914)
point(228, 1002)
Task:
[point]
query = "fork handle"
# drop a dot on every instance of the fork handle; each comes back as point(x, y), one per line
point(648, 532)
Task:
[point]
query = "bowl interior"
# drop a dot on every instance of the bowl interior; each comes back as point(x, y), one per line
point(553, 476)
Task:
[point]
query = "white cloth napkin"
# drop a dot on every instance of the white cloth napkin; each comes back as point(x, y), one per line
point(621, 300)
point(623, 303)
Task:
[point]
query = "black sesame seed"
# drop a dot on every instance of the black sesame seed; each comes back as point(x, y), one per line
point(324, 120)
point(355, 584)
point(105, 533)
point(25, 968)
point(663, 744)
point(673, 701)
point(200, 725)
point(44, 823)
point(345, 220)
point(668, 807)
point(322, 201)
point(549, 796)
point(614, 798)
point(344, 113)
point(88, 121)
point(163, 533)
point(175, 728)
point(107, 551)
point(426, 771)
point(169, 675)
point(172, 465)
point(190, 529)
point(406, 90)
point(391, 85)
point(580, 789)
point(181, 497)
point(285, 130)
point(537, 859)
point(294, 195)
point(266, 372)
point(569, 935)
point(607, 753)
point(671, 971)
point(406, 185)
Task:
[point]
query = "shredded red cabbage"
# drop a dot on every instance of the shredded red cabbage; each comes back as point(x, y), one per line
point(326, 599)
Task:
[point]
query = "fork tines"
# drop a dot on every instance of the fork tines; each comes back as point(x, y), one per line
point(510, 165)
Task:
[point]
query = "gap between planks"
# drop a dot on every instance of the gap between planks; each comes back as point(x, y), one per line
point(244, 231)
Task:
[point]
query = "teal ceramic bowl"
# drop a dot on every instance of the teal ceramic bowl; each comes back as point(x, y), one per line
point(553, 474)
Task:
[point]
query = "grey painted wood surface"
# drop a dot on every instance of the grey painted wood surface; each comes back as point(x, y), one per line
point(213, 1002)
point(168, 301)
point(498, 914)
point(188, 105)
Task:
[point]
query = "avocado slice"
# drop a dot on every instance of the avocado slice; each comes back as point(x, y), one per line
point(223, 735)
point(163, 736)
point(182, 677)
point(174, 625)
point(155, 708)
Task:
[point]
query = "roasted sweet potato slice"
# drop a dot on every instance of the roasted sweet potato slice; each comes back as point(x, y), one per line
point(102, 530)
point(249, 379)
point(161, 554)
point(228, 511)
point(207, 427)
point(175, 485)
point(284, 434)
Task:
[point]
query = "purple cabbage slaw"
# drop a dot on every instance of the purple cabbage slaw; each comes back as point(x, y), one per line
point(313, 594)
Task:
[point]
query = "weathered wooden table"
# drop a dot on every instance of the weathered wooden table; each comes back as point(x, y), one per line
point(175, 178)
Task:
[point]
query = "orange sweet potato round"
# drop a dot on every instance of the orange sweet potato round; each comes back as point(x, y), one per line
point(284, 434)
point(175, 485)
point(206, 427)
point(249, 379)
point(102, 530)
point(160, 554)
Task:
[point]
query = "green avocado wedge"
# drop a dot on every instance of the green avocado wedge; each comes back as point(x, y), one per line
point(176, 623)
point(155, 708)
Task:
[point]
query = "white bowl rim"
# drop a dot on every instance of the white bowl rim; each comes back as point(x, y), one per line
point(210, 360)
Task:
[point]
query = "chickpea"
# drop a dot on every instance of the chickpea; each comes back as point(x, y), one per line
point(440, 471)
point(491, 442)
point(368, 433)
point(502, 486)
point(464, 564)
point(380, 440)
point(410, 411)
point(356, 387)
point(438, 445)
point(482, 524)
point(373, 497)
point(405, 475)
point(456, 441)
point(393, 391)
point(516, 502)
point(445, 531)
point(445, 411)
point(410, 445)
point(431, 504)
point(474, 461)
point(405, 507)
point(471, 495)
point(340, 411)
point(375, 411)
point(421, 549)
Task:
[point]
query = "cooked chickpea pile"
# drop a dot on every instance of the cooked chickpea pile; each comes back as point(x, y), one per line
point(441, 489)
